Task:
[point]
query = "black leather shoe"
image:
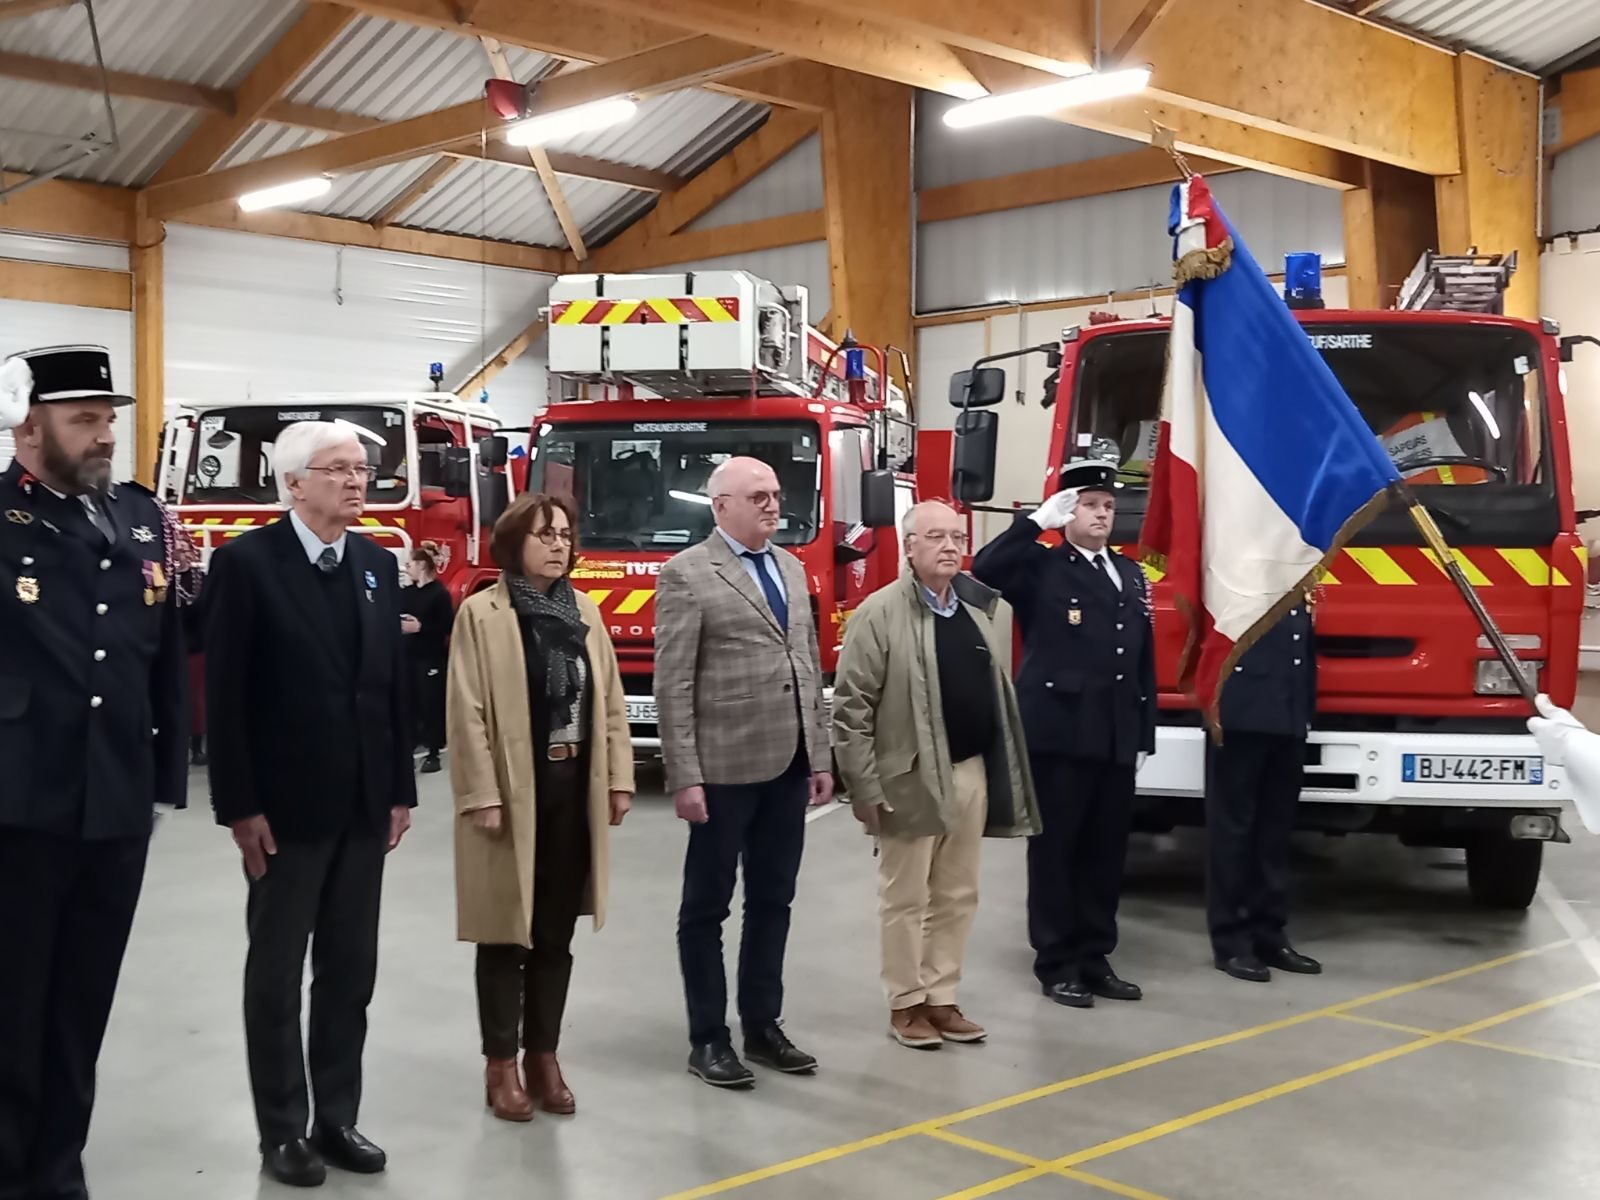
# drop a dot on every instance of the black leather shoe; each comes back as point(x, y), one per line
point(346, 1148)
point(1106, 985)
point(430, 765)
point(770, 1047)
point(1246, 967)
point(719, 1066)
point(1070, 993)
point(1286, 958)
point(294, 1164)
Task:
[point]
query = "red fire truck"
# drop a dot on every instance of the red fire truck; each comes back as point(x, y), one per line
point(440, 472)
point(1420, 730)
point(656, 379)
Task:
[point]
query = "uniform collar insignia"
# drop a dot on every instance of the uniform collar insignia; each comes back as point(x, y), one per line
point(18, 517)
point(141, 533)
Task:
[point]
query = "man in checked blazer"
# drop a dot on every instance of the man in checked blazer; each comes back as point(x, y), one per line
point(739, 699)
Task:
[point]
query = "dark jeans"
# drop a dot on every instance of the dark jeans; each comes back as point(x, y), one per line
point(68, 907)
point(531, 986)
point(762, 826)
point(428, 682)
point(1075, 864)
point(328, 893)
point(1252, 787)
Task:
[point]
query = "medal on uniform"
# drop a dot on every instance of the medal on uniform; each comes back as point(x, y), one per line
point(27, 589)
point(141, 533)
point(1074, 616)
point(17, 517)
point(155, 584)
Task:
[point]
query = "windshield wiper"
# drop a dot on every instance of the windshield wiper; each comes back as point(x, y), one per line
point(1451, 517)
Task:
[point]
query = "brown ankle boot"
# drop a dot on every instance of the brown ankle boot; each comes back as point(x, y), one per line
point(545, 1082)
point(503, 1091)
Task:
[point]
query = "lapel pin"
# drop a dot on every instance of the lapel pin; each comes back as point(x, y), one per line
point(17, 517)
point(141, 533)
point(1074, 616)
point(27, 589)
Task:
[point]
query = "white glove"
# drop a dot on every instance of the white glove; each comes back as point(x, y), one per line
point(1138, 763)
point(1055, 512)
point(16, 390)
point(1564, 742)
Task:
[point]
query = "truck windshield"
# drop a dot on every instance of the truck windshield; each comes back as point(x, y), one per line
point(232, 458)
point(1455, 405)
point(643, 485)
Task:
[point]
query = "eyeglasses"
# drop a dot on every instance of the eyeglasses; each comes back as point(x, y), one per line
point(551, 536)
point(344, 471)
point(759, 499)
point(942, 537)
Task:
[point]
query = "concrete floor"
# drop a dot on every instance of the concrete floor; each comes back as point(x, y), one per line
point(1446, 1053)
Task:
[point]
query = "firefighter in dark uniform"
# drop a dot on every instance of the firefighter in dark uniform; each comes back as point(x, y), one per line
point(93, 735)
point(1087, 690)
point(1253, 783)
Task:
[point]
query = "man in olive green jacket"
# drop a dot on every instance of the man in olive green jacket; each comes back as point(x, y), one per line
point(929, 741)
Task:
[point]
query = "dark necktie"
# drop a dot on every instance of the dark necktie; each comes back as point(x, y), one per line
point(97, 518)
point(775, 597)
point(1099, 563)
point(328, 560)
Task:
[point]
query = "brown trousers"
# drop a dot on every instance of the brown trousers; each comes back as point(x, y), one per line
point(928, 897)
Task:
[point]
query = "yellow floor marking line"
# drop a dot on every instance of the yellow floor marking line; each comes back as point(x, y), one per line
point(1417, 1031)
point(1028, 1160)
point(829, 1154)
point(1413, 1030)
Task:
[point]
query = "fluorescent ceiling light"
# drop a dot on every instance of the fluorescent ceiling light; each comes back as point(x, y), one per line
point(689, 497)
point(585, 118)
point(1080, 89)
point(286, 193)
point(1483, 411)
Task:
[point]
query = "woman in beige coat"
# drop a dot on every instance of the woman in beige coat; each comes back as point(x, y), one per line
point(541, 765)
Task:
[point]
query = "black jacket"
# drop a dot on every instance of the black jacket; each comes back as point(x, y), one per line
point(1087, 685)
point(311, 734)
point(1273, 687)
point(93, 711)
point(430, 605)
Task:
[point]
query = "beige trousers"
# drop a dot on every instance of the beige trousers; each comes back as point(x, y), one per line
point(928, 896)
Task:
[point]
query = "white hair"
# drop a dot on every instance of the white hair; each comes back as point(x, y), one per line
point(908, 523)
point(299, 443)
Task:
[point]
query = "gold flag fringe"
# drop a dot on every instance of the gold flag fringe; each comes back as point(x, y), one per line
point(1208, 263)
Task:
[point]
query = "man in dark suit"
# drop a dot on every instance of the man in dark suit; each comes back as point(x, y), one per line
point(93, 734)
point(311, 767)
point(1087, 690)
point(1252, 790)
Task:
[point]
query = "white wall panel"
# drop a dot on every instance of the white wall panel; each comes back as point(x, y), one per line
point(793, 184)
point(1569, 286)
point(806, 265)
point(63, 251)
point(1110, 243)
point(27, 326)
point(1575, 189)
point(251, 316)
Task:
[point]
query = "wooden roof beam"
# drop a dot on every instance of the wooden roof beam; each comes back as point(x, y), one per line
point(503, 358)
point(63, 208)
point(296, 50)
point(1578, 107)
point(416, 190)
point(26, 8)
point(682, 64)
point(1056, 37)
point(119, 83)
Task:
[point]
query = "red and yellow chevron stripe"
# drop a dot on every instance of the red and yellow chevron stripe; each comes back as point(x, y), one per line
point(1411, 566)
point(663, 310)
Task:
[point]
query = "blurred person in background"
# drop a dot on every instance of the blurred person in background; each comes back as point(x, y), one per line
point(541, 766)
point(426, 621)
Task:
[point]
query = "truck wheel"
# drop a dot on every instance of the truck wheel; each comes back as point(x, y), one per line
point(1503, 872)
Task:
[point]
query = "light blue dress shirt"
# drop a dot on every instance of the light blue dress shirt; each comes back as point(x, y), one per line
point(311, 543)
point(751, 566)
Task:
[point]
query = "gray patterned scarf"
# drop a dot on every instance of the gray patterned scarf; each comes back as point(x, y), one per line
point(560, 634)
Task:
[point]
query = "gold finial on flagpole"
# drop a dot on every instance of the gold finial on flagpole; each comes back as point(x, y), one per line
point(1164, 138)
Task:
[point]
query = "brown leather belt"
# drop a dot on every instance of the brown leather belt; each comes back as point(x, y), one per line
point(563, 751)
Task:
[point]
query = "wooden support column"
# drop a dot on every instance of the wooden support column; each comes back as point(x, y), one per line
point(1493, 203)
point(866, 173)
point(1388, 224)
point(148, 260)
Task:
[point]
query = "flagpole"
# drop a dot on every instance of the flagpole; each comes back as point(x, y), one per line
point(1424, 522)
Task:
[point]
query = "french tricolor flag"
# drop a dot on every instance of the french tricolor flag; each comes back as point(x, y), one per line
point(1264, 467)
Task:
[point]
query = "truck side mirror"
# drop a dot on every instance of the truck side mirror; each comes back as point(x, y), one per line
point(493, 452)
point(494, 492)
point(1569, 344)
point(877, 499)
point(978, 388)
point(972, 466)
point(456, 471)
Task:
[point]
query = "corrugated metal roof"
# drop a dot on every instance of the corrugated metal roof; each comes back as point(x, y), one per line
point(146, 132)
point(1527, 33)
point(488, 199)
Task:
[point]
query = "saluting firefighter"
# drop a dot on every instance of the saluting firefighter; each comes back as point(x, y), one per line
point(1087, 690)
point(93, 735)
point(1253, 781)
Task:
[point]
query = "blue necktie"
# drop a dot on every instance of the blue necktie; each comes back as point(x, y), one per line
point(775, 598)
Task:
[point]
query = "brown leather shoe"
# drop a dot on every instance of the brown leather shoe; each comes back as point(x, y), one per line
point(545, 1082)
point(503, 1091)
point(951, 1025)
point(910, 1027)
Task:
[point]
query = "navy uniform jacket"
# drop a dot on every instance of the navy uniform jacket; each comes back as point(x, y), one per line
point(309, 733)
point(93, 713)
point(1273, 687)
point(1087, 687)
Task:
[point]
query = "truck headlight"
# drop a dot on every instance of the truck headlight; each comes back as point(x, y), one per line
point(1494, 680)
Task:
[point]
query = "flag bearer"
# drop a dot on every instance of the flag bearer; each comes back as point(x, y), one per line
point(93, 734)
point(1087, 691)
point(1252, 790)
